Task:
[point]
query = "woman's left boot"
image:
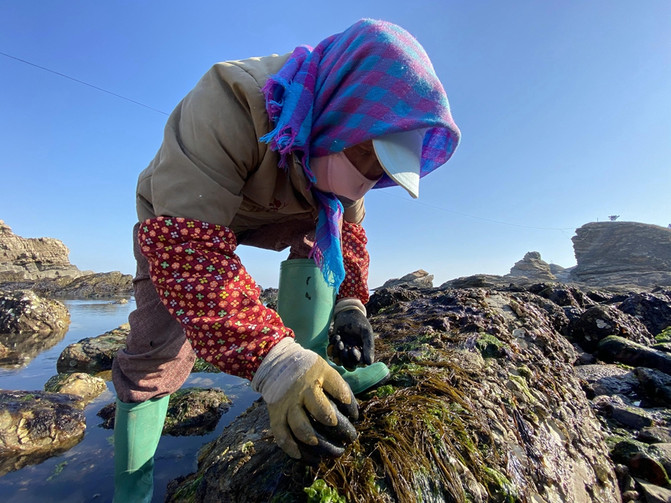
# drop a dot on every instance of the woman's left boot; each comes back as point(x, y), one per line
point(305, 303)
point(137, 430)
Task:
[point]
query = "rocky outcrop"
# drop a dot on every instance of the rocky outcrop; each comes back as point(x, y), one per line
point(531, 267)
point(483, 405)
point(622, 253)
point(35, 426)
point(104, 285)
point(191, 411)
point(85, 386)
point(29, 325)
point(417, 279)
point(24, 312)
point(42, 265)
point(31, 259)
point(93, 354)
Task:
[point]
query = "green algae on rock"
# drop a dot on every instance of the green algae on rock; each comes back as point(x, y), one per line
point(451, 424)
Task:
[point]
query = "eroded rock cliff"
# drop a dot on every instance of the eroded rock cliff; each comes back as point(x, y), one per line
point(619, 253)
point(31, 259)
point(42, 265)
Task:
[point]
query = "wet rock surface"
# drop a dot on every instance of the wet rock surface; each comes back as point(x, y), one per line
point(82, 385)
point(29, 325)
point(24, 312)
point(191, 411)
point(93, 354)
point(37, 425)
point(487, 402)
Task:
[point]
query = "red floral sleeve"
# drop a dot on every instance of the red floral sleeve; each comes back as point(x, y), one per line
point(356, 260)
point(205, 287)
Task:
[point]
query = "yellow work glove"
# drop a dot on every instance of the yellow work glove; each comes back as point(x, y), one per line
point(309, 404)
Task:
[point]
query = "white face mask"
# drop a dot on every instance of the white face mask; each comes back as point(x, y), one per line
point(335, 173)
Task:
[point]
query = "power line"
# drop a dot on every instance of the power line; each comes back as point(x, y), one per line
point(82, 82)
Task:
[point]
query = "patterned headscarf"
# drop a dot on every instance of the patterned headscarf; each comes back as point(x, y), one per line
point(371, 80)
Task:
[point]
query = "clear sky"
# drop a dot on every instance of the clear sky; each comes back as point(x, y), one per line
point(564, 108)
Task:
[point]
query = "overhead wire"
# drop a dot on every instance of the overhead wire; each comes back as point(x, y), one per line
point(422, 203)
point(83, 82)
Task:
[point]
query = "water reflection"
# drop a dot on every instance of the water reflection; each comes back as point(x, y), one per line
point(85, 472)
point(22, 348)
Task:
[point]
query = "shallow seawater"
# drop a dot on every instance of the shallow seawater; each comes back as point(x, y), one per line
point(85, 472)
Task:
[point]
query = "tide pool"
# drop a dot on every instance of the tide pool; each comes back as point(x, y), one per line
point(85, 472)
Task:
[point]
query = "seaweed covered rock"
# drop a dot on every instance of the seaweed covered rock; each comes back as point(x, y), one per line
point(483, 405)
point(35, 426)
point(29, 324)
point(93, 354)
point(85, 386)
point(23, 311)
point(191, 411)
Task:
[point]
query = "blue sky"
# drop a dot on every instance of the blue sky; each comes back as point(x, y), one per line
point(564, 107)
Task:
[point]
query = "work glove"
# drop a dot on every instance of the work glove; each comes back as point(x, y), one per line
point(352, 341)
point(309, 404)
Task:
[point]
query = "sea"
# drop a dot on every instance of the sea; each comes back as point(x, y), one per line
point(85, 472)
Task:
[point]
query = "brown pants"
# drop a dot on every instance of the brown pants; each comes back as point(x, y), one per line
point(158, 357)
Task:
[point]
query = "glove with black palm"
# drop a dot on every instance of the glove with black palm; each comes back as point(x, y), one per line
point(309, 404)
point(352, 341)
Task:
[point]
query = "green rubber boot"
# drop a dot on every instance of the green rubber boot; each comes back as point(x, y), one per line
point(305, 303)
point(137, 430)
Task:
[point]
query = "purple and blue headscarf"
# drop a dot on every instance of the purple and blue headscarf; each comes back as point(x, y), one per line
point(371, 80)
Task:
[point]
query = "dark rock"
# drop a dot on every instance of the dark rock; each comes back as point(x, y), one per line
point(386, 298)
point(563, 295)
point(601, 321)
point(93, 354)
point(662, 346)
point(269, 297)
point(648, 468)
point(105, 285)
point(622, 253)
point(662, 453)
point(608, 380)
point(476, 281)
point(629, 416)
point(448, 425)
point(35, 426)
point(655, 435)
point(191, 411)
point(656, 385)
point(618, 349)
point(654, 310)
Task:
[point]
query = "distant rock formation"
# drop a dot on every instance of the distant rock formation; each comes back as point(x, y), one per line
point(613, 255)
point(621, 253)
point(42, 265)
point(532, 267)
point(418, 279)
point(31, 259)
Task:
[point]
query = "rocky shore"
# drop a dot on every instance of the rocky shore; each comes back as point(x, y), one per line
point(543, 385)
point(42, 265)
